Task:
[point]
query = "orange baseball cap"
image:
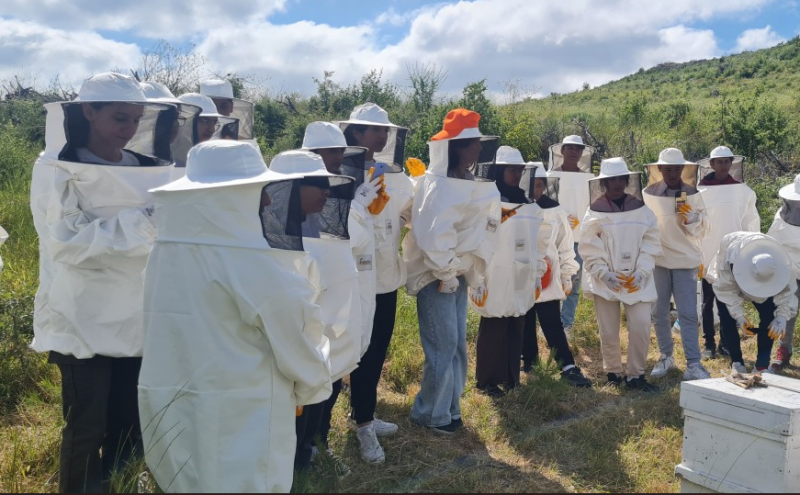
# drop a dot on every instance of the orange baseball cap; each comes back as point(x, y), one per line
point(459, 124)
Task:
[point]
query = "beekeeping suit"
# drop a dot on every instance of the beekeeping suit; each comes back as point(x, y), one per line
point(329, 245)
point(730, 207)
point(785, 226)
point(188, 134)
point(618, 240)
point(454, 221)
point(220, 90)
point(572, 185)
point(513, 274)
point(556, 234)
point(390, 270)
point(234, 341)
point(681, 235)
point(95, 225)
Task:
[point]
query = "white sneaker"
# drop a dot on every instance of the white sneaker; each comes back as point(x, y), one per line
point(384, 428)
point(662, 367)
point(739, 368)
point(371, 450)
point(568, 332)
point(696, 372)
point(767, 371)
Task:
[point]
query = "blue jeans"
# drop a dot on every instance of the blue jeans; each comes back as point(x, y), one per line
point(443, 332)
point(570, 304)
point(680, 284)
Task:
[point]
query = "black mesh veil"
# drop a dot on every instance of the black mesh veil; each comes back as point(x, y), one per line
point(332, 220)
point(790, 212)
point(536, 187)
point(354, 165)
point(706, 172)
point(604, 193)
point(281, 216)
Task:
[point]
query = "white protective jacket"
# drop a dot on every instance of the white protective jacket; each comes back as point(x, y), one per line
point(680, 243)
point(453, 226)
point(234, 343)
point(573, 192)
point(620, 242)
point(730, 208)
point(556, 234)
point(517, 264)
point(362, 244)
point(727, 290)
point(789, 237)
point(391, 272)
point(94, 239)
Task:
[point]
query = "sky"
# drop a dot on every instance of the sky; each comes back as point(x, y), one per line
point(539, 46)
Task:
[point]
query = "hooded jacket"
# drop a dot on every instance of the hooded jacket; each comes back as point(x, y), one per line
point(454, 225)
point(390, 269)
point(681, 243)
point(94, 237)
point(234, 340)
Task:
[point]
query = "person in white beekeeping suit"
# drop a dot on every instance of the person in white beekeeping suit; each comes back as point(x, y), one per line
point(188, 113)
point(671, 194)
point(3, 238)
point(619, 243)
point(369, 126)
point(556, 234)
point(571, 161)
point(221, 92)
point(205, 126)
point(785, 229)
point(95, 220)
point(453, 234)
point(234, 340)
point(326, 235)
point(512, 280)
point(731, 207)
point(753, 267)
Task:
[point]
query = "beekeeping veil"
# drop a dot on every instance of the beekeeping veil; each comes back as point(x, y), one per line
point(370, 114)
point(601, 191)
point(505, 157)
point(325, 135)
point(221, 92)
point(556, 159)
point(572, 185)
point(186, 114)
point(539, 178)
point(706, 174)
point(188, 135)
point(671, 157)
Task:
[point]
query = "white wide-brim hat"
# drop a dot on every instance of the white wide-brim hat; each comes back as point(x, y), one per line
point(159, 93)
point(573, 139)
point(792, 191)
point(612, 167)
point(322, 135)
point(111, 86)
point(307, 164)
point(506, 155)
point(721, 152)
point(209, 108)
point(224, 163)
point(540, 172)
point(762, 268)
point(216, 88)
point(672, 156)
point(368, 114)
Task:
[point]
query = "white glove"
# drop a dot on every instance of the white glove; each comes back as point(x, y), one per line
point(479, 294)
point(150, 213)
point(611, 280)
point(566, 285)
point(689, 214)
point(777, 328)
point(367, 192)
point(448, 286)
point(637, 282)
point(746, 326)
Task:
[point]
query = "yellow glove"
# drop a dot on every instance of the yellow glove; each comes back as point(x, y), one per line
point(479, 295)
point(506, 214)
point(573, 221)
point(745, 325)
point(700, 272)
point(687, 213)
point(298, 411)
point(415, 167)
point(777, 328)
point(379, 203)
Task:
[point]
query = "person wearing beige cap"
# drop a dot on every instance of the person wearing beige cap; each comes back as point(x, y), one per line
point(753, 267)
point(672, 195)
point(619, 243)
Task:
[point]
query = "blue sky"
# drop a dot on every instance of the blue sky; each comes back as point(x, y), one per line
point(543, 45)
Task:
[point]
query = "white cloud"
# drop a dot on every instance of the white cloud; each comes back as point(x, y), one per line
point(38, 52)
point(755, 39)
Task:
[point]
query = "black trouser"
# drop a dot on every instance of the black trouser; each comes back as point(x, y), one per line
point(497, 351)
point(327, 412)
point(364, 379)
point(101, 410)
point(549, 314)
point(307, 426)
point(730, 332)
point(708, 316)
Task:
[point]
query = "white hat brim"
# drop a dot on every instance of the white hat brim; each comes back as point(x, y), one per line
point(789, 193)
point(367, 122)
point(187, 184)
point(744, 275)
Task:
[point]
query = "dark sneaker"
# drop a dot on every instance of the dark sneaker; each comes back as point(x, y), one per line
point(639, 383)
point(708, 353)
point(492, 391)
point(527, 366)
point(613, 379)
point(447, 429)
point(575, 378)
point(723, 351)
point(458, 422)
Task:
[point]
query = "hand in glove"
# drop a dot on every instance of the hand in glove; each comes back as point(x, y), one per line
point(746, 326)
point(777, 328)
point(479, 295)
point(634, 282)
point(507, 213)
point(415, 167)
point(689, 214)
point(613, 280)
point(538, 289)
point(298, 411)
point(368, 192)
point(380, 202)
point(448, 286)
point(701, 271)
point(566, 285)
point(573, 221)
